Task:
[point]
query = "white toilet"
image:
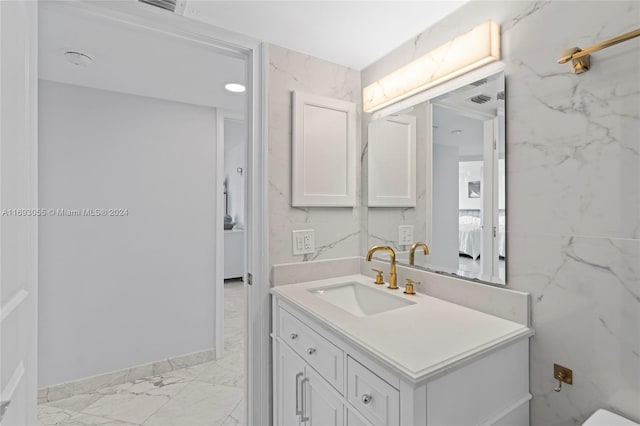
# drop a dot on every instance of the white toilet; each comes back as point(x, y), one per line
point(607, 418)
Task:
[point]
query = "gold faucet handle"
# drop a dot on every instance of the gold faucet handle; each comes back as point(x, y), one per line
point(409, 287)
point(379, 279)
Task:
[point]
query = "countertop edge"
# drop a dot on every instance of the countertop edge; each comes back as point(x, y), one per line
point(427, 373)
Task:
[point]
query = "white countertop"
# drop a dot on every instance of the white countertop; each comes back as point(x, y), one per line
point(418, 341)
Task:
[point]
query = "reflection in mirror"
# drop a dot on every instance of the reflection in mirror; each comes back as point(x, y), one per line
point(460, 171)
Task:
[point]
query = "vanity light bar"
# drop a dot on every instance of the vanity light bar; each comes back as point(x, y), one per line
point(469, 51)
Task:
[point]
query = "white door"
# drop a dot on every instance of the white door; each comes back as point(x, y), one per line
point(290, 374)
point(18, 198)
point(322, 407)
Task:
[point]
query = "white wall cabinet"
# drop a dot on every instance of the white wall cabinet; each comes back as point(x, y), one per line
point(320, 378)
point(324, 152)
point(392, 162)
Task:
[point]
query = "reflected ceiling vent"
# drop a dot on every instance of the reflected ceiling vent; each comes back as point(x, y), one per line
point(479, 83)
point(169, 5)
point(480, 99)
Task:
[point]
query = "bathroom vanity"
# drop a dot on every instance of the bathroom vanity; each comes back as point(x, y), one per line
point(349, 352)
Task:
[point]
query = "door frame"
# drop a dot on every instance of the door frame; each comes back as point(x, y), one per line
point(19, 144)
point(257, 315)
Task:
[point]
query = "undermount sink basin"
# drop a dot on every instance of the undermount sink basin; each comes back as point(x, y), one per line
point(359, 299)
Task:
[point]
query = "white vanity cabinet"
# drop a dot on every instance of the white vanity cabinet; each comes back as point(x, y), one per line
point(306, 398)
point(323, 378)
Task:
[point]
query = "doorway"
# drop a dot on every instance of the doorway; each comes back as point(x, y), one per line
point(128, 306)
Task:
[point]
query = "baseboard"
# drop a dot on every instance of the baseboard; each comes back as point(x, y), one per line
point(93, 383)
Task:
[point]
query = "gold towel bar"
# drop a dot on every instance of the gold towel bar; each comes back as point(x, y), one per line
point(580, 57)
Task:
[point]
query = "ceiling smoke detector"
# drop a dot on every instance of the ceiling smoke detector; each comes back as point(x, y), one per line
point(78, 58)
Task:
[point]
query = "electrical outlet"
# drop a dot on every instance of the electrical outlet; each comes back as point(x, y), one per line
point(405, 235)
point(303, 241)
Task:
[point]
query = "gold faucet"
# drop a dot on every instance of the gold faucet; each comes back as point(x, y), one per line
point(393, 277)
point(412, 252)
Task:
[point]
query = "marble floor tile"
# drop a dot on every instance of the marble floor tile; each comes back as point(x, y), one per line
point(237, 415)
point(227, 371)
point(210, 393)
point(76, 402)
point(198, 404)
point(51, 416)
point(128, 407)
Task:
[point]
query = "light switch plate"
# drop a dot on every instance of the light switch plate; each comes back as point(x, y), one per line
point(303, 241)
point(405, 235)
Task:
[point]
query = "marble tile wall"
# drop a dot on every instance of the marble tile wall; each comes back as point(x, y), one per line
point(337, 230)
point(573, 193)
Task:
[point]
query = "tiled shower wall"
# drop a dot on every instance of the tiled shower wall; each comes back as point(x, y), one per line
point(573, 193)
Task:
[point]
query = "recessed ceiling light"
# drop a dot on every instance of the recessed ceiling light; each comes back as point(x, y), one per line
point(234, 87)
point(78, 58)
point(456, 132)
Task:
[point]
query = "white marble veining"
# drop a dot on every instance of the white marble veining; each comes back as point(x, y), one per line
point(448, 334)
point(207, 394)
point(573, 193)
point(337, 230)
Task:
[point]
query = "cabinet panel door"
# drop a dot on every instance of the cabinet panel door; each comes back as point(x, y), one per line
point(354, 419)
point(392, 162)
point(289, 379)
point(325, 151)
point(322, 404)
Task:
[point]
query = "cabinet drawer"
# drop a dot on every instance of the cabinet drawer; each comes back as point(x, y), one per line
point(326, 358)
point(377, 400)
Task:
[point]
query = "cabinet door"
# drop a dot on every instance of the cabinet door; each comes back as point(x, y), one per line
point(322, 405)
point(289, 378)
point(392, 162)
point(354, 419)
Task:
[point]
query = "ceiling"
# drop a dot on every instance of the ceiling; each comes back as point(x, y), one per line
point(350, 33)
point(469, 140)
point(133, 61)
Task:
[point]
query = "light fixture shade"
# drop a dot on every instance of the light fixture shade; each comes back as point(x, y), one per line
point(469, 51)
point(235, 87)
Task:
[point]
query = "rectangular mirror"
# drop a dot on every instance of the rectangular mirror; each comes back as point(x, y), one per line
point(460, 208)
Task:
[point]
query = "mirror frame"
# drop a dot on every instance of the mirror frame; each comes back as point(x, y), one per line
point(428, 96)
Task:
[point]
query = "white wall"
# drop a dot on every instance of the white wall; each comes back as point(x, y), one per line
point(573, 190)
point(234, 143)
point(120, 291)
